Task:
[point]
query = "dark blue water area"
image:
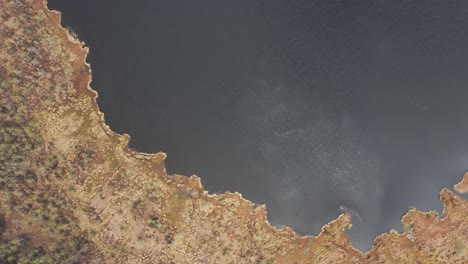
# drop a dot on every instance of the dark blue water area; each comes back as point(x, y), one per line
point(311, 107)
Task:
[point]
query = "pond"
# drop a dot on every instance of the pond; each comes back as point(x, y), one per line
point(311, 107)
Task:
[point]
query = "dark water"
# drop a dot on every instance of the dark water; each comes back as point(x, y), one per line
point(307, 106)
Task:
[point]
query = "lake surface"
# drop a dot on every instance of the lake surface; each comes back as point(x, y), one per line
point(311, 107)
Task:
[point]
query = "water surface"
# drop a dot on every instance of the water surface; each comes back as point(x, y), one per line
point(311, 107)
